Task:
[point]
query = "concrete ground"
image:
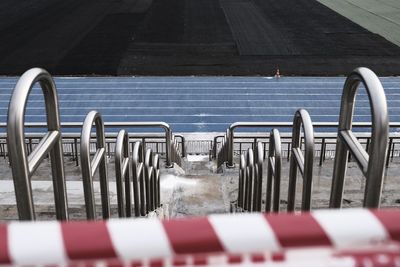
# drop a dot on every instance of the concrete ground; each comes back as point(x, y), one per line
point(195, 189)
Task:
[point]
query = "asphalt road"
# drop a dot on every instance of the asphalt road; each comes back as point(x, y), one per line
point(187, 37)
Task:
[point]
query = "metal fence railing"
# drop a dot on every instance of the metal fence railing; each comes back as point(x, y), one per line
point(23, 165)
point(27, 152)
point(299, 162)
point(372, 162)
point(372, 159)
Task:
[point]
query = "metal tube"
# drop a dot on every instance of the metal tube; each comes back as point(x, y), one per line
point(301, 120)
point(122, 178)
point(274, 171)
point(88, 168)
point(183, 144)
point(379, 139)
point(242, 173)
point(138, 179)
point(16, 144)
point(148, 170)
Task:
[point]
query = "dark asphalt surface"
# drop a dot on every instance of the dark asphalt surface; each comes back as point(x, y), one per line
point(186, 37)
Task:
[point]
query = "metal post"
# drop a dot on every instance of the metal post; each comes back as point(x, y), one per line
point(249, 178)
point(22, 165)
point(388, 152)
point(322, 152)
point(138, 180)
point(89, 167)
point(274, 171)
point(298, 161)
point(148, 170)
point(183, 144)
point(122, 164)
point(372, 164)
point(242, 184)
point(259, 159)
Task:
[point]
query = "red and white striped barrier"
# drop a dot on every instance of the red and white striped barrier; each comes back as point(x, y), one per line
point(143, 240)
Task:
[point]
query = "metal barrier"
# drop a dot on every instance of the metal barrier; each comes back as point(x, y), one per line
point(372, 163)
point(274, 171)
point(175, 151)
point(22, 165)
point(152, 181)
point(223, 153)
point(89, 167)
point(317, 125)
point(298, 161)
point(183, 145)
point(249, 178)
point(138, 179)
point(122, 178)
point(258, 173)
point(242, 184)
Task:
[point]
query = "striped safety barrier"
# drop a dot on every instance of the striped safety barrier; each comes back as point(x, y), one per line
point(319, 236)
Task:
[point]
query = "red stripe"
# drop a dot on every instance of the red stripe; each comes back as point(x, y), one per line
point(4, 253)
point(200, 260)
point(87, 240)
point(156, 263)
point(391, 221)
point(279, 256)
point(179, 261)
point(192, 236)
point(136, 264)
point(235, 259)
point(298, 230)
point(257, 258)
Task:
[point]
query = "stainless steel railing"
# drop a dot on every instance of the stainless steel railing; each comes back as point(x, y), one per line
point(372, 163)
point(299, 162)
point(122, 174)
point(89, 167)
point(228, 157)
point(258, 176)
point(22, 165)
point(138, 179)
point(274, 172)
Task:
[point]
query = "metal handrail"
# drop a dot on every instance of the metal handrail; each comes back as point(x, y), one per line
point(298, 161)
point(236, 125)
point(138, 179)
point(274, 171)
point(372, 163)
point(22, 165)
point(183, 144)
point(89, 167)
point(242, 184)
point(122, 177)
point(152, 180)
point(249, 178)
point(162, 125)
point(258, 173)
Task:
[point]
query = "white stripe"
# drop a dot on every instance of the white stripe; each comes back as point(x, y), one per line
point(351, 227)
point(36, 243)
point(139, 238)
point(244, 233)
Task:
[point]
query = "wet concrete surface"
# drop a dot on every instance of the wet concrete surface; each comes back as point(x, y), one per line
point(195, 189)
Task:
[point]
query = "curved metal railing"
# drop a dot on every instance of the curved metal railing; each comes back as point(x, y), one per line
point(122, 175)
point(274, 172)
point(89, 167)
point(372, 163)
point(299, 162)
point(138, 179)
point(258, 174)
point(22, 165)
